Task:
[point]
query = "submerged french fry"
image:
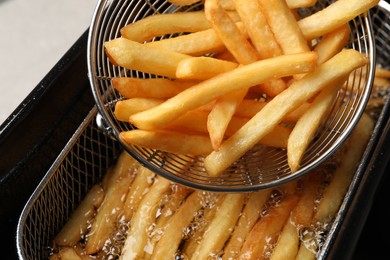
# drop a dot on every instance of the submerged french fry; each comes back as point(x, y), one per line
point(173, 234)
point(142, 181)
point(76, 225)
point(348, 156)
point(267, 228)
point(250, 214)
point(264, 121)
point(144, 216)
point(112, 205)
point(288, 242)
point(218, 231)
point(208, 90)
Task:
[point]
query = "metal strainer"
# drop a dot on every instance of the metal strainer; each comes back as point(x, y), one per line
point(259, 168)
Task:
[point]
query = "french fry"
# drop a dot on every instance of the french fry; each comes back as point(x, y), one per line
point(284, 26)
point(333, 16)
point(211, 204)
point(206, 91)
point(349, 156)
point(267, 228)
point(125, 108)
point(141, 57)
point(243, 52)
point(145, 215)
point(68, 253)
point(334, 192)
point(168, 244)
point(300, 217)
point(300, 3)
point(250, 214)
point(231, 36)
point(258, 28)
point(264, 121)
point(77, 224)
point(221, 115)
point(149, 88)
point(247, 109)
point(332, 42)
point(382, 72)
point(195, 44)
point(170, 141)
point(161, 24)
point(306, 127)
point(219, 230)
point(201, 68)
point(112, 205)
point(142, 181)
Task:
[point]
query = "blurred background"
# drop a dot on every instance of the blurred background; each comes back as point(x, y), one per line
point(34, 35)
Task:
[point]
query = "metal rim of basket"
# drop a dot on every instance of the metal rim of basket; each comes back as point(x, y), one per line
point(250, 172)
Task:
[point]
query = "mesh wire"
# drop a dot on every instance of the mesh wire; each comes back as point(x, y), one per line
point(260, 167)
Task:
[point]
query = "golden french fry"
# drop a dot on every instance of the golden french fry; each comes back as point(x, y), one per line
point(284, 26)
point(169, 141)
point(300, 3)
point(161, 24)
point(220, 228)
point(264, 121)
point(144, 216)
point(332, 42)
point(307, 126)
point(267, 228)
point(235, 41)
point(201, 68)
point(149, 88)
point(208, 90)
point(173, 234)
point(258, 28)
point(142, 181)
point(76, 226)
point(195, 44)
point(221, 114)
point(250, 214)
point(125, 108)
point(333, 16)
point(142, 57)
point(112, 205)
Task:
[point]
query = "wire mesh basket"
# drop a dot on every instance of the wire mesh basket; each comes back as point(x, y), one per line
point(262, 166)
point(91, 151)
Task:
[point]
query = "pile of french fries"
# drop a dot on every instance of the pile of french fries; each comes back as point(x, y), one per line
point(237, 73)
point(134, 214)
